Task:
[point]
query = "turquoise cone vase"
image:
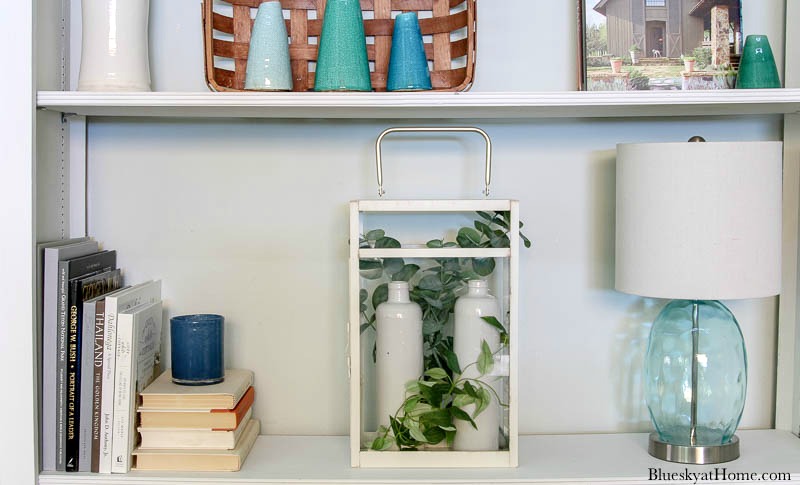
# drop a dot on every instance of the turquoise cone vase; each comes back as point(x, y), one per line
point(408, 66)
point(342, 63)
point(268, 64)
point(757, 69)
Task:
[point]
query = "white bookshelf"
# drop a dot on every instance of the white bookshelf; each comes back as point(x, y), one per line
point(43, 198)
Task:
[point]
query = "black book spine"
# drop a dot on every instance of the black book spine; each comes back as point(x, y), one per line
point(73, 375)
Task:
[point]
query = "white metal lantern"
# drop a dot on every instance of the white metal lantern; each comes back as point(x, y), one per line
point(504, 281)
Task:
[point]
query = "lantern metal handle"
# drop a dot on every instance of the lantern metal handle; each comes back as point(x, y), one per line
point(434, 129)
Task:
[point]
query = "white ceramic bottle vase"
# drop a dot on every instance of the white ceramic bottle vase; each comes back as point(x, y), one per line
point(114, 55)
point(399, 348)
point(470, 330)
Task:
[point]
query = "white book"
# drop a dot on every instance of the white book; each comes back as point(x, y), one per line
point(148, 292)
point(192, 438)
point(49, 318)
point(138, 342)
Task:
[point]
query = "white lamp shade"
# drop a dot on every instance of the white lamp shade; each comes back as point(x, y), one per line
point(699, 221)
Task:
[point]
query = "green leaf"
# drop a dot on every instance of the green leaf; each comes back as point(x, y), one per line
point(434, 303)
point(406, 273)
point(379, 444)
point(430, 327)
point(411, 403)
point(434, 243)
point(362, 295)
point(436, 373)
point(485, 359)
point(364, 326)
point(484, 228)
point(450, 245)
point(371, 269)
point(434, 435)
point(483, 402)
point(463, 400)
point(485, 215)
point(412, 387)
point(483, 266)
point(458, 413)
point(375, 234)
point(393, 265)
point(380, 295)
point(525, 240)
point(452, 360)
point(504, 218)
point(436, 418)
point(495, 323)
point(387, 243)
point(468, 238)
point(430, 282)
point(416, 433)
point(499, 241)
point(470, 390)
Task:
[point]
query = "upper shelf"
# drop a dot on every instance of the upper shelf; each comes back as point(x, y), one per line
point(426, 105)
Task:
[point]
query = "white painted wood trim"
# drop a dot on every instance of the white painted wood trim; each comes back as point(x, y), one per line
point(554, 459)
point(435, 459)
point(436, 253)
point(387, 205)
point(18, 346)
point(354, 338)
point(513, 384)
point(430, 105)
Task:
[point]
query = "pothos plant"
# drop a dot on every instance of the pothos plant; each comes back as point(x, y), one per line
point(439, 396)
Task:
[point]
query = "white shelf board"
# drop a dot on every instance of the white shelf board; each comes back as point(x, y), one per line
point(455, 205)
point(425, 105)
point(611, 458)
point(435, 253)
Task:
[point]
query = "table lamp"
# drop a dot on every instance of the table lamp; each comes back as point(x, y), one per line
point(697, 223)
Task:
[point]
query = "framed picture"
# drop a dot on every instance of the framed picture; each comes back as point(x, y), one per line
point(640, 45)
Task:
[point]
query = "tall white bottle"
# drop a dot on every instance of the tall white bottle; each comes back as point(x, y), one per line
point(470, 330)
point(399, 349)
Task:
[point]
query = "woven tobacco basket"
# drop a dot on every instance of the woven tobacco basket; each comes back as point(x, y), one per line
point(448, 27)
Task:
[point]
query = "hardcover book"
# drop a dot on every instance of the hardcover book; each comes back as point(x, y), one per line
point(165, 394)
point(200, 460)
point(79, 289)
point(148, 292)
point(90, 334)
point(200, 439)
point(224, 419)
point(68, 349)
point(138, 343)
point(53, 253)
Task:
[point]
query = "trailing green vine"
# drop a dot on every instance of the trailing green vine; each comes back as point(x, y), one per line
point(438, 397)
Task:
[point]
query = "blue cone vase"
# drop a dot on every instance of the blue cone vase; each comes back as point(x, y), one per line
point(268, 64)
point(757, 67)
point(342, 63)
point(408, 65)
point(721, 373)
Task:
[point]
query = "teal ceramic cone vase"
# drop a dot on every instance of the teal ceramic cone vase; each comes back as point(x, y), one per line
point(757, 67)
point(408, 66)
point(268, 64)
point(342, 63)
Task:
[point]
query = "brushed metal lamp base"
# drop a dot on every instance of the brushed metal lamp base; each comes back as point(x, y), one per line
point(693, 455)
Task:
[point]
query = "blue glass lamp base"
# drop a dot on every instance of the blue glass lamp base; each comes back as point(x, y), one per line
point(693, 455)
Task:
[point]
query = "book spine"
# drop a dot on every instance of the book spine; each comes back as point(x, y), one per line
point(107, 396)
point(87, 371)
point(97, 381)
point(49, 359)
point(73, 377)
point(122, 394)
point(61, 367)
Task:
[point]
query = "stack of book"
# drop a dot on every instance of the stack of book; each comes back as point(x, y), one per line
point(197, 428)
point(100, 346)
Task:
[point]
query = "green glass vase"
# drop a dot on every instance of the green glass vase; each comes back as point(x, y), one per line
point(757, 69)
point(342, 63)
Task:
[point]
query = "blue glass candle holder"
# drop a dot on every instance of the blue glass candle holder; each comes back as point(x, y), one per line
point(197, 349)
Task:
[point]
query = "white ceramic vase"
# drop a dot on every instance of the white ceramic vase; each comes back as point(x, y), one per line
point(114, 53)
point(470, 330)
point(399, 349)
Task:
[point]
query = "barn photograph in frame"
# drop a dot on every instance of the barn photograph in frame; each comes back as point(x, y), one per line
point(669, 45)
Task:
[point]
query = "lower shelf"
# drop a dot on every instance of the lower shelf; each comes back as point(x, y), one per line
point(609, 458)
